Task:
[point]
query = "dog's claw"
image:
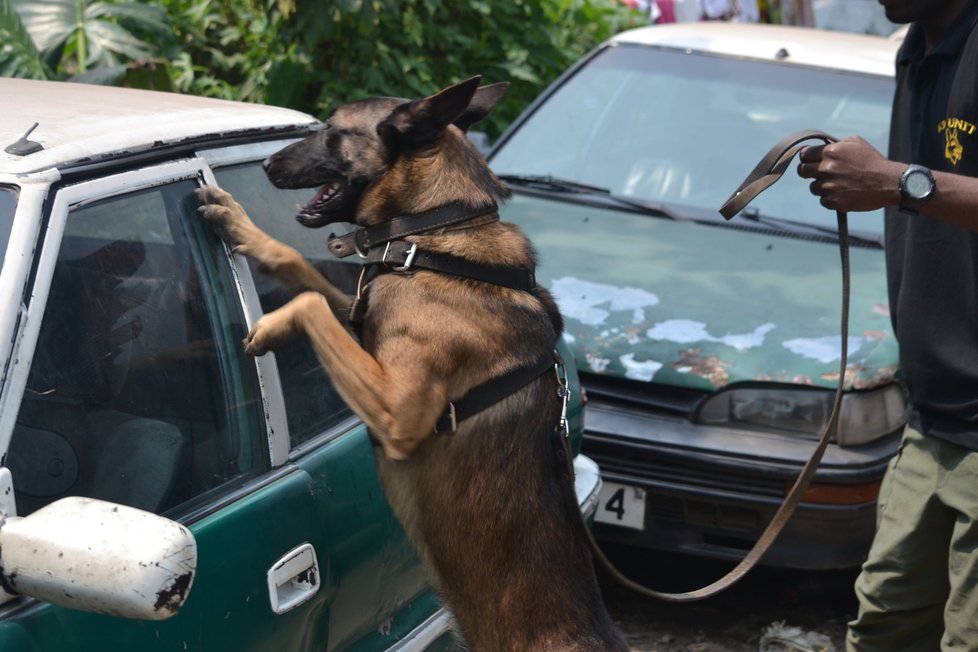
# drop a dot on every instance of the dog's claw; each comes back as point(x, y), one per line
point(251, 347)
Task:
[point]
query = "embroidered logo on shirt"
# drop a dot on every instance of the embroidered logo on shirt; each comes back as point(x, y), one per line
point(952, 128)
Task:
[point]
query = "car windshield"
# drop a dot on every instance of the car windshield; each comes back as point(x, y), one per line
point(683, 130)
point(8, 203)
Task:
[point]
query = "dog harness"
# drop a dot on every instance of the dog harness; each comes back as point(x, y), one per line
point(383, 251)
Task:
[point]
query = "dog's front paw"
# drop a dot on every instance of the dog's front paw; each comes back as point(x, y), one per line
point(227, 217)
point(269, 332)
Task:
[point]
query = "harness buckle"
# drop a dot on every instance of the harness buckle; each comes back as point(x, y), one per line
point(447, 423)
point(408, 259)
point(563, 426)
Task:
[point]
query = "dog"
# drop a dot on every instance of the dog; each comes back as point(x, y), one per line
point(446, 307)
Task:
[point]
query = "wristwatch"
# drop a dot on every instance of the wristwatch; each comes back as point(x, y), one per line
point(916, 187)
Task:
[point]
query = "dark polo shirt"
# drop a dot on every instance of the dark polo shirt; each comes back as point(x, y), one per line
point(932, 266)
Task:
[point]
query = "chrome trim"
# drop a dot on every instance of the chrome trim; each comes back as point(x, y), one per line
point(276, 422)
point(437, 624)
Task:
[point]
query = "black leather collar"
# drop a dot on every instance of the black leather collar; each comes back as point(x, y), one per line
point(368, 237)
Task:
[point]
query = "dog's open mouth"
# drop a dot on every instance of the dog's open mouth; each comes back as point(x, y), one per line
point(315, 213)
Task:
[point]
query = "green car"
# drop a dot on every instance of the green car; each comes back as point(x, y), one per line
point(710, 350)
point(160, 489)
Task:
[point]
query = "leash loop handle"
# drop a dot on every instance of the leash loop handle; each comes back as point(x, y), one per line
point(767, 171)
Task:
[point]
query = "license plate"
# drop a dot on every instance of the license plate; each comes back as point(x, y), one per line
point(621, 505)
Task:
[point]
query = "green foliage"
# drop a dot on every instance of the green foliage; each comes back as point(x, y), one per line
point(237, 49)
point(75, 35)
point(307, 54)
point(18, 54)
point(312, 55)
point(409, 48)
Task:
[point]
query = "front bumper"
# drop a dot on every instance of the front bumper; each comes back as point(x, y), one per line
point(712, 491)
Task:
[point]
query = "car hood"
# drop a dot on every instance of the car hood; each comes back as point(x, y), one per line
point(702, 306)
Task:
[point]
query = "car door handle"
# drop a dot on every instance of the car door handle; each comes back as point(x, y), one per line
point(293, 579)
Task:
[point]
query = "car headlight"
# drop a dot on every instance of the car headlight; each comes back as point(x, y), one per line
point(864, 417)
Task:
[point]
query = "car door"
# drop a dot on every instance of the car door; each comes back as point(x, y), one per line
point(380, 596)
point(138, 392)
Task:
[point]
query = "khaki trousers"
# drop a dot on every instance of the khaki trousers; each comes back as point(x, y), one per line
point(917, 589)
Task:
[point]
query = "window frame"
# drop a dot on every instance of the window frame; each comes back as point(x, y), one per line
point(63, 200)
point(272, 384)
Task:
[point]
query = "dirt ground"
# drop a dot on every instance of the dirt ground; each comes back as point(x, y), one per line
point(817, 604)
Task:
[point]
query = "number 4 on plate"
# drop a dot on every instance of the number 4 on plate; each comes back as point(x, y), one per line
point(621, 505)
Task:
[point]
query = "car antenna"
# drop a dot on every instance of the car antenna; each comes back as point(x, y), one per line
point(23, 147)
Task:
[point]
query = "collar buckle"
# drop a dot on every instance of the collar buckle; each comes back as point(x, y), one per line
point(447, 424)
point(408, 258)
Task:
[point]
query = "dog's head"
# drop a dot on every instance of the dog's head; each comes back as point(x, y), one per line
point(362, 141)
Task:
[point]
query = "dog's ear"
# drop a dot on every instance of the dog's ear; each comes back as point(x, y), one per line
point(484, 100)
point(420, 122)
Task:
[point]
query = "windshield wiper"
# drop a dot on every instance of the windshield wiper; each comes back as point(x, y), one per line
point(780, 223)
point(552, 184)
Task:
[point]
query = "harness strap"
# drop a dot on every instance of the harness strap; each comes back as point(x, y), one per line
point(402, 256)
point(368, 237)
point(769, 170)
point(492, 391)
point(398, 255)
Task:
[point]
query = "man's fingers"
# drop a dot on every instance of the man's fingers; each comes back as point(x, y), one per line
point(811, 154)
point(807, 170)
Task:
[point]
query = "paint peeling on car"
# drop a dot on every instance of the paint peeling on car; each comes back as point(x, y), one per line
point(708, 367)
point(592, 303)
point(170, 598)
point(864, 377)
point(596, 364)
point(824, 349)
point(628, 284)
point(639, 369)
point(685, 331)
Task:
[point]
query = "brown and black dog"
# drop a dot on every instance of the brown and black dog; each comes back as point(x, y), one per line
point(491, 506)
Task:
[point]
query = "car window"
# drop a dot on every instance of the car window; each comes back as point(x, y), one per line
point(8, 203)
point(138, 392)
point(686, 129)
point(313, 405)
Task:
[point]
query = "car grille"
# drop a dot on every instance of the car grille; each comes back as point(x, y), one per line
point(626, 461)
point(676, 401)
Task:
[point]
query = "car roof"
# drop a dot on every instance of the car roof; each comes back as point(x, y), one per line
point(88, 123)
point(860, 53)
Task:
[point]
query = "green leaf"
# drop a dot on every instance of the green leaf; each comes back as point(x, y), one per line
point(18, 54)
point(96, 33)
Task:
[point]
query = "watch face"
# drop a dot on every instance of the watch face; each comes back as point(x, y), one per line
point(918, 184)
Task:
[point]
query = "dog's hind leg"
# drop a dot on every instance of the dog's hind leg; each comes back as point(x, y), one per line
point(283, 262)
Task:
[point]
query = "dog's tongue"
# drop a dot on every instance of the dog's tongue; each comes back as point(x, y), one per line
point(323, 194)
point(312, 213)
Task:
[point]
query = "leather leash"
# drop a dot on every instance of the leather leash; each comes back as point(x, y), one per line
point(767, 171)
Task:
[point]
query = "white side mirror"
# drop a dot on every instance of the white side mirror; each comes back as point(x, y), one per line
point(102, 557)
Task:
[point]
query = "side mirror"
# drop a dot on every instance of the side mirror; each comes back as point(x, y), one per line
point(102, 557)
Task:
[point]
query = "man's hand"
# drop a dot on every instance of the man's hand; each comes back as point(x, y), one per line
point(851, 175)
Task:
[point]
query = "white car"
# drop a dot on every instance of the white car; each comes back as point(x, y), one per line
point(150, 468)
point(710, 349)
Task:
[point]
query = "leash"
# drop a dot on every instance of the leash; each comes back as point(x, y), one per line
point(767, 171)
